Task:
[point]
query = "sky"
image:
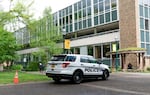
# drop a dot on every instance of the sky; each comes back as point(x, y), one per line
point(40, 5)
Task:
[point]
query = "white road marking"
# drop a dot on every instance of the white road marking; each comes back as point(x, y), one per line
point(116, 90)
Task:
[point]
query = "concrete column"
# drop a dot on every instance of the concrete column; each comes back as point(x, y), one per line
point(84, 50)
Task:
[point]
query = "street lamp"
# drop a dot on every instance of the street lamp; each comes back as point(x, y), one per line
point(64, 34)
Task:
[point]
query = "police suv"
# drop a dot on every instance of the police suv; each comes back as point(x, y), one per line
point(76, 68)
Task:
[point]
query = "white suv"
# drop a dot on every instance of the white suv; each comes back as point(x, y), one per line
point(75, 67)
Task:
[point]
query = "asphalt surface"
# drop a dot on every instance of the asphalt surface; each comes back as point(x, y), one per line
point(118, 84)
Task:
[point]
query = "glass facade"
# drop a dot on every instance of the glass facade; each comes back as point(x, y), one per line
point(82, 14)
point(144, 13)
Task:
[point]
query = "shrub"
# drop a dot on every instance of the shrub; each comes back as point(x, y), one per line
point(16, 67)
point(32, 66)
point(148, 69)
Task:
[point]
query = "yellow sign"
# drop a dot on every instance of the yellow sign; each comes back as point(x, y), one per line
point(67, 43)
point(114, 48)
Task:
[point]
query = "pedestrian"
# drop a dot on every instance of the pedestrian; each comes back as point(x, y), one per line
point(40, 66)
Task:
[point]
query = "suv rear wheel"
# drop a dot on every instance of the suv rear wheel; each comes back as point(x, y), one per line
point(77, 77)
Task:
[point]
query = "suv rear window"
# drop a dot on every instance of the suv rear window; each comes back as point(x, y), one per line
point(58, 58)
point(70, 58)
point(63, 58)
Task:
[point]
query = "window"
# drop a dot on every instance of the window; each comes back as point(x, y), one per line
point(146, 24)
point(141, 10)
point(107, 17)
point(106, 48)
point(76, 26)
point(84, 3)
point(70, 27)
point(84, 23)
point(89, 11)
point(80, 25)
point(113, 4)
point(146, 12)
point(148, 49)
point(70, 9)
point(114, 15)
point(96, 8)
point(107, 4)
point(147, 37)
point(96, 20)
point(141, 23)
point(84, 59)
point(80, 14)
point(79, 5)
point(75, 16)
point(142, 45)
point(100, 0)
point(88, 2)
point(70, 58)
point(101, 7)
point(92, 60)
point(142, 36)
point(101, 18)
point(95, 1)
point(75, 7)
point(84, 12)
point(89, 22)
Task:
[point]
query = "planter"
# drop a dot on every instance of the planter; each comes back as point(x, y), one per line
point(1, 67)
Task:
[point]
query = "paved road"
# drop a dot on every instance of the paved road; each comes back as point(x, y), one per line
point(118, 84)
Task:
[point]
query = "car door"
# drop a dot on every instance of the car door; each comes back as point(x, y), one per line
point(86, 65)
point(96, 70)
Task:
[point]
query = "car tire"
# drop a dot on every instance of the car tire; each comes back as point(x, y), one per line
point(77, 77)
point(56, 80)
point(105, 75)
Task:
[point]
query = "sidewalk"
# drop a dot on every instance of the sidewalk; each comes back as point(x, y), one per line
point(36, 72)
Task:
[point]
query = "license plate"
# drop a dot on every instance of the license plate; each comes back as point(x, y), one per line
point(52, 66)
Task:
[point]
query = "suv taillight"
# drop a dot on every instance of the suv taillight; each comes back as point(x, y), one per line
point(64, 65)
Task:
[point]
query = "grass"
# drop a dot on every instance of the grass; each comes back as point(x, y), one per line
point(7, 77)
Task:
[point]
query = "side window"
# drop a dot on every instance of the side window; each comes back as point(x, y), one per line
point(84, 59)
point(92, 60)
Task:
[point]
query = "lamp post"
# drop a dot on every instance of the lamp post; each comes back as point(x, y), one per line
point(64, 34)
point(116, 63)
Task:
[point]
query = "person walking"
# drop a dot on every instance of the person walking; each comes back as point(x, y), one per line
point(41, 67)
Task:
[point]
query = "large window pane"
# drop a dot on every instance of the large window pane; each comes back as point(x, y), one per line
point(142, 36)
point(75, 16)
point(96, 8)
point(79, 5)
point(148, 49)
point(76, 26)
point(142, 45)
point(146, 24)
point(84, 23)
point(106, 49)
point(80, 25)
point(88, 2)
point(147, 37)
point(146, 12)
point(84, 3)
point(96, 20)
point(113, 4)
point(70, 9)
point(89, 22)
point(107, 4)
point(101, 18)
point(107, 17)
point(95, 1)
point(80, 14)
point(70, 27)
point(114, 15)
point(84, 12)
point(75, 7)
point(141, 10)
point(141, 23)
point(89, 11)
point(101, 7)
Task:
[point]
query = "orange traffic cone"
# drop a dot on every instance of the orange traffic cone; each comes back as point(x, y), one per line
point(16, 80)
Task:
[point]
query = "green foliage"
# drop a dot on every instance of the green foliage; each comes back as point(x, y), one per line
point(32, 66)
point(7, 46)
point(16, 67)
point(148, 69)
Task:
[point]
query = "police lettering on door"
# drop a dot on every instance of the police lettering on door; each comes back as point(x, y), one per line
point(90, 69)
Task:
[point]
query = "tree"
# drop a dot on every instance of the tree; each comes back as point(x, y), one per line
point(7, 46)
